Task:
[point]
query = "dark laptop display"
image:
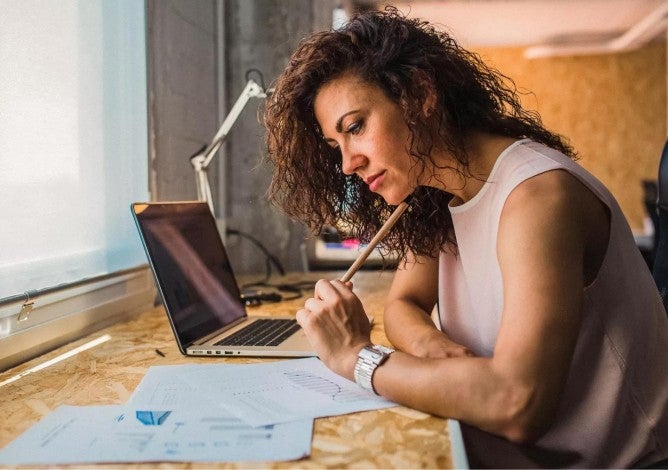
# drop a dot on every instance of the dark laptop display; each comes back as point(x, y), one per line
point(194, 273)
point(194, 277)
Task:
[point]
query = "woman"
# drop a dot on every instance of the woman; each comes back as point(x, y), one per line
point(555, 341)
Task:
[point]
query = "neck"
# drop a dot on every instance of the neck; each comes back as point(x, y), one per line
point(464, 183)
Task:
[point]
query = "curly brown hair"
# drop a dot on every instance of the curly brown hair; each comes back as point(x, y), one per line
point(391, 51)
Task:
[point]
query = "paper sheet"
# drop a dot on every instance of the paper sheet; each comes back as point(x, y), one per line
point(121, 433)
point(259, 394)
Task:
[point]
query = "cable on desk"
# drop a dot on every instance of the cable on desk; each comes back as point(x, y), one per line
point(293, 290)
point(286, 291)
point(270, 259)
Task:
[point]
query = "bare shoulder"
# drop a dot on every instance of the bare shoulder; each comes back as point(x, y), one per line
point(559, 209)
point(555, 187)
point(558, 191)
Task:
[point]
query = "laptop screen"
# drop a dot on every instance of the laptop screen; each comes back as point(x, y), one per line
point(191, 267)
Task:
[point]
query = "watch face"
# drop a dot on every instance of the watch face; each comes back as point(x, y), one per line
point(369, 358)
point(376, 354)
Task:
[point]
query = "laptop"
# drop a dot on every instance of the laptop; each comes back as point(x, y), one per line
point(199, 291)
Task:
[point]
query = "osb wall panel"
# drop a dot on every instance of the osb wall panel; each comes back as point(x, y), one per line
point(612, 108)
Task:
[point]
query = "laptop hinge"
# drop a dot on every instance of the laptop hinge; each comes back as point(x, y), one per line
point(218, 332)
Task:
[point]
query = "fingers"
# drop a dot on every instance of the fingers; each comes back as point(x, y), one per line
point(335, 307)
point(326, 289)
point(317, 307)
point(301, 316)
point(314, 304)
point(458, 352)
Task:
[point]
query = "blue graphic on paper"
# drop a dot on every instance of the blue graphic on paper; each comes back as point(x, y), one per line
point(152, 418)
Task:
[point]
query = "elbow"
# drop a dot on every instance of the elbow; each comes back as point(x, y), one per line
point(523, 433)
point(524, 418)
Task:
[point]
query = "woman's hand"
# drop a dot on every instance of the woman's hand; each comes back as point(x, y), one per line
point(435, 344)
point(336, 325)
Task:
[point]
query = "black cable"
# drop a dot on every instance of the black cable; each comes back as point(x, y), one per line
point(294, 288)
point(269, 258)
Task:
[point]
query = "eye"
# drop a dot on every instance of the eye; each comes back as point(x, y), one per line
point(356, 127)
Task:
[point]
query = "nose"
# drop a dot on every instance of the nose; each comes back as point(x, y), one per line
point(351, 161)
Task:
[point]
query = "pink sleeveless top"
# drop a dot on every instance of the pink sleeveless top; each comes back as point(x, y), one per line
point(614, 408)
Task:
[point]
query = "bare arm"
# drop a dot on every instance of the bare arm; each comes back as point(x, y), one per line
point(514, 393)
point(407, 316)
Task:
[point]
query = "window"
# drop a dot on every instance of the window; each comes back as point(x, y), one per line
point(73, 156)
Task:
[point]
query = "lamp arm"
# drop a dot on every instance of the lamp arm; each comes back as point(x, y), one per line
point(202, 160)
point(252, 90)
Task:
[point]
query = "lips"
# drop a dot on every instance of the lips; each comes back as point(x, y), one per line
point(375, 181)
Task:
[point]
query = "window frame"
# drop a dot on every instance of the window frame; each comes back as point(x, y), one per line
point(37, 321)
point(62, 315)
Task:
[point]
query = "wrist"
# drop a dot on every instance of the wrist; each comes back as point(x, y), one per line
point(351, 360)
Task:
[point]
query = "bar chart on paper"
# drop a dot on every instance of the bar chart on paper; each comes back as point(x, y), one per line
point(319, 384)
point(259, 394)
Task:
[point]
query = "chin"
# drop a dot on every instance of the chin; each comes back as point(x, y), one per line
point(393, 199)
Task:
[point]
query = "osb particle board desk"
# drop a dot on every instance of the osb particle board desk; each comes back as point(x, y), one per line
point(109, 372)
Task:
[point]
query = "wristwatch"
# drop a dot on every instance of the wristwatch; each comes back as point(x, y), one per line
point(368, 360)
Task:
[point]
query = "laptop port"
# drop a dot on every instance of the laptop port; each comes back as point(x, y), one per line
point(227, 353)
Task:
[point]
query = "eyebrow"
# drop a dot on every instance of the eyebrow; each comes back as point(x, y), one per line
point(339, 122)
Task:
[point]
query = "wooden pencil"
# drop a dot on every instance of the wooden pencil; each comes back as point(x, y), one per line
point(389, 223)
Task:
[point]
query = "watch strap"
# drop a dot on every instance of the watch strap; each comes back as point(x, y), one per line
point(368, 360)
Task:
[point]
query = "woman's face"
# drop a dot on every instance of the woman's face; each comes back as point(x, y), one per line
point(369, 130)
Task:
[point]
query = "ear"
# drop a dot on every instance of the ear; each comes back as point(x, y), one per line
point(429, 105)
point(426, 84)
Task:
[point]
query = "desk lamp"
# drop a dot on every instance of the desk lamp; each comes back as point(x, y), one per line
point(202, 159)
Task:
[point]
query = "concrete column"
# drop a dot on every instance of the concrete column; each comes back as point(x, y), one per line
point(260, 34)
point(197, 50)
point(182, 101)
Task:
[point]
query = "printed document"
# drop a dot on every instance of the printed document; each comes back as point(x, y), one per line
point(259, 394)
point(121, 433)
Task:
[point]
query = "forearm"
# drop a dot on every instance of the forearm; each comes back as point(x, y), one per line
point(473, 390)
point(496, 394)
point(411, 329)
point(405, 324)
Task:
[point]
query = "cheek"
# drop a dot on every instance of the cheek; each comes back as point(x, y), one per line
point(400, 159)
point(399, 184)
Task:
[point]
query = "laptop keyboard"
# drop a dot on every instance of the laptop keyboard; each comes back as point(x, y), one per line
point(264, 332)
